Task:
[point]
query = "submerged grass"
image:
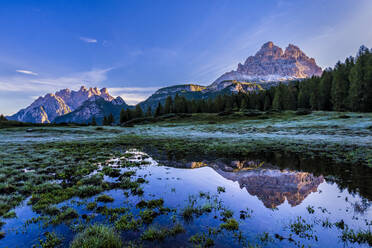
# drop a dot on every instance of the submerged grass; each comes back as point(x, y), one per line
point(160, 233)
point(97, 236)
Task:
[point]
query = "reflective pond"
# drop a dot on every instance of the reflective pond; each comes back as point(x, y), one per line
point(273, 205)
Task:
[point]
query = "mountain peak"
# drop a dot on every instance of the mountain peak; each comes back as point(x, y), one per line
point(52, 105)
point(268, 44)
point(104, 91)
point(83, 88)
point(270, 64)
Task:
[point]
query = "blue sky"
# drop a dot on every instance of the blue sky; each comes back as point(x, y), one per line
point(135, 47)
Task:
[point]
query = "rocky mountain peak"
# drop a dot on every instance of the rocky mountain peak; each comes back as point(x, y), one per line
point(268, 51)
point(83, 88)
point(271, 64)
point(52, 105)
point(295, 52)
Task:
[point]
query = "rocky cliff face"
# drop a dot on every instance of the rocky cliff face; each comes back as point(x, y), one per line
point(95, 106)
point(269, 64)
point(46, 109)
point(75, 98)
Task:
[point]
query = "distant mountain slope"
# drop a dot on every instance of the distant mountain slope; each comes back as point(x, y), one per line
point(95, 106)
point(46, 109)
point(198, 92)
point(190, 91)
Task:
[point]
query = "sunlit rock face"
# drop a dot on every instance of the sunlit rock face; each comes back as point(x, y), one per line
point(96, 107)
point(269, 64)
point(45, 109)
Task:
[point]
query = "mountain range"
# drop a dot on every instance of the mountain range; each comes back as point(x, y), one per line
point(66, 102)
point(268, 67)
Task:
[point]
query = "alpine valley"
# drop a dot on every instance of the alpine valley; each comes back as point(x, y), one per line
point(268, 67)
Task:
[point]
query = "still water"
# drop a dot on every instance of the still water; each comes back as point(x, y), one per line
point(271, 198)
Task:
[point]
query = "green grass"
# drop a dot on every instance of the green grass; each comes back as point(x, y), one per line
point(104, 198)
point(230, 225)
point(160, 233)
point(51, 241)
point(127, 222)
point(360, 237)
point(10, 215)
point(97, 236)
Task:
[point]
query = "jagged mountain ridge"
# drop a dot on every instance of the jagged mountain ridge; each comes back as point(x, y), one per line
point(46, 108)
point(97, 107)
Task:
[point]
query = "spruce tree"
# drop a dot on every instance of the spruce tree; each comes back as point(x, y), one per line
point(325, 86)
point(168, 105)
point(138, 111)
point(159, 110)
point(123, 116)
point(94, 122)
point(278, 98)
point(267, 104)
point(148, 112)
point(128, 114)
point(110, 119)
point(340, 88)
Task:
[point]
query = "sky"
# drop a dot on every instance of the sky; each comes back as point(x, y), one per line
point(135, 47)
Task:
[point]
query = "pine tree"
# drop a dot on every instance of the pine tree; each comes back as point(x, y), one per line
point(325, 86)
point(138, 111)
point(360, 91)
point(148, 112)
point(104, 122)
point(267, 104)
point(244, 104)
point(314, 95)
point(159, 110)
point(94, 122)
point(2, 118)
point(278, 98)
point(110, 119)
point(168, 105)
point(123, 116)
point(340, 88)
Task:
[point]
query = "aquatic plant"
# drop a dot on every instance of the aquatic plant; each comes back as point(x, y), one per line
point(51, 241)
point(97, 236)
point(230, 224)
point(160, 233)
point(127, 222)
point(221, 189)
point(201, 240)
point(360, 237)
point(104, 198)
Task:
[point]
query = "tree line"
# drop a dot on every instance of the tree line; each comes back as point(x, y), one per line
point(346, 87)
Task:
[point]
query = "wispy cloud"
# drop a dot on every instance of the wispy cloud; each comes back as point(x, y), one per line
point(133, 95)
point(27, 72)
point(44, 85)
point(88, 40)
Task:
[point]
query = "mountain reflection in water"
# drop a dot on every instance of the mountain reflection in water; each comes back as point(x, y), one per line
point(271, 185)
